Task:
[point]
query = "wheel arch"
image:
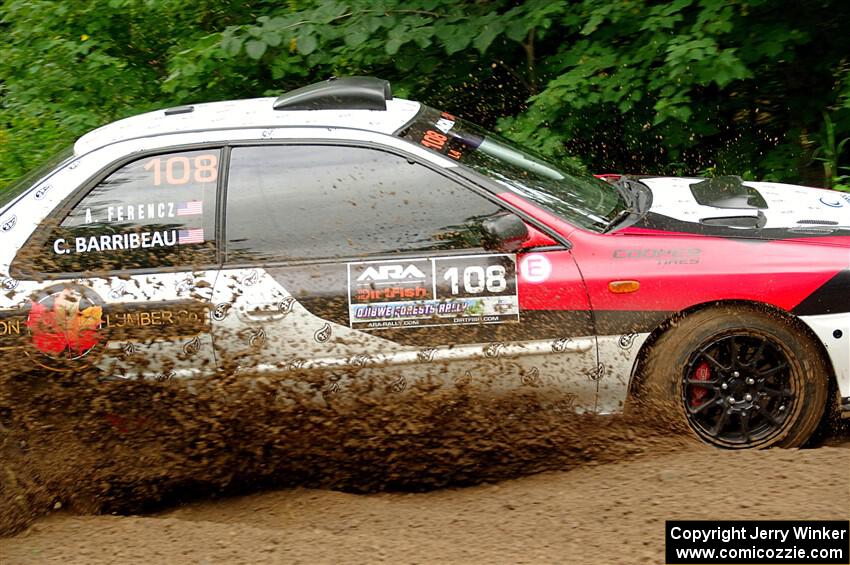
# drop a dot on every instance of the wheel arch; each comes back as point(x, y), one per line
point(636, 377)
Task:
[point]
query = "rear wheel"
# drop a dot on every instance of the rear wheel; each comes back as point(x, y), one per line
point(739, 377)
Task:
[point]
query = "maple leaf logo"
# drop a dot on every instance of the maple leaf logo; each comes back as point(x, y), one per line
point(64, 327)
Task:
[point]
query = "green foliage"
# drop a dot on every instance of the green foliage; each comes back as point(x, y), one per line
point(677, 87)
point(829, 151)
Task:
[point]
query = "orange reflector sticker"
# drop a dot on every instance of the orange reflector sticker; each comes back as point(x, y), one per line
point(623, 287)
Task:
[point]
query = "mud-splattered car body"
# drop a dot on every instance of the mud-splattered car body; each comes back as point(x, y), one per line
point(339, 228)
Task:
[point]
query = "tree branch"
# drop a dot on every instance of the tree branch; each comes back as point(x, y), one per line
point(349, 14)
point(529, 61)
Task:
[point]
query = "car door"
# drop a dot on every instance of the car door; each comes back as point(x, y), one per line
point(359, 261)
point(121, 275)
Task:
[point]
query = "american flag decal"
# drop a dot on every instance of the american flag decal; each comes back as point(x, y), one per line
point(191, 208)
point(194, 235)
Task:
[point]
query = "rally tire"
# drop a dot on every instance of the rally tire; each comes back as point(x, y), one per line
point(737, 378)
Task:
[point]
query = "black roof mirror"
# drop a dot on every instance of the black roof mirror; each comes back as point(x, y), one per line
point(504, 232)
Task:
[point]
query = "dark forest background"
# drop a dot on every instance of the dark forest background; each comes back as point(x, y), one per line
point(759, 88)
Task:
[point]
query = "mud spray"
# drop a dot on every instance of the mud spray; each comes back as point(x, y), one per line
point(129, 447)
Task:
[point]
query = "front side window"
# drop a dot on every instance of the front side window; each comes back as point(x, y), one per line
point(305, 202)
point(158, 211)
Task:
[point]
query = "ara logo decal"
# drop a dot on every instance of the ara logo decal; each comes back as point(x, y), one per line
point(493, 350)
point(42, 191)
point(561, 344)
point(626, 340)
point(596, 373)
point(426, 355)
point(285, 305)
point(332, 387)
point(119, 291)
point(391, 272)
point(163, 377)
point(296, 364)
point(531, 378)
point(9, 224)
point(192, 347)
point(250, 279)
point(462, 380)
point(185, 285)
point(65, 324)
point(398, 384)
point(220, 311)
point(129, 349)
point(323, 334)
point(9, 283)
point(831, 201)
point(257, 338)
point(359, 360)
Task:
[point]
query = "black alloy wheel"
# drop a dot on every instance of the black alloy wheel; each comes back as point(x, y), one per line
point(736, 376)
point(739, 388)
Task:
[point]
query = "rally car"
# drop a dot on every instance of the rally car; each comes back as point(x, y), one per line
point(340, 230)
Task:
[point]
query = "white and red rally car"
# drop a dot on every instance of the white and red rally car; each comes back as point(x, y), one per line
point(340, 229)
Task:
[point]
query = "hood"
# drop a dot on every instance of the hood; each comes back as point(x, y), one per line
point(728, 206)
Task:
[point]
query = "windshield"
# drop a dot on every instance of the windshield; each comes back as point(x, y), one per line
point(575, 196)
point(9, 193)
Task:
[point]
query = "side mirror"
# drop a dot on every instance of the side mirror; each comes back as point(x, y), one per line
point(504, 232)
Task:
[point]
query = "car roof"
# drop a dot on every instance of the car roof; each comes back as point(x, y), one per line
point(246, 114)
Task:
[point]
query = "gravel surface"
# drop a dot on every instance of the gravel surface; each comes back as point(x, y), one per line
point(234, 475)
point(607, 513)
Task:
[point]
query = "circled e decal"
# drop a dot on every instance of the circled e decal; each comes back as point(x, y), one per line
point(535, 268)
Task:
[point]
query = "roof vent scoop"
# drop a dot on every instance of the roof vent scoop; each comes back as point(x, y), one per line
point(728, 192)
point(345, 93)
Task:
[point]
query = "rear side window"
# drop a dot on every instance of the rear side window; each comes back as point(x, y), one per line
point(300, 202)
point(158, 211)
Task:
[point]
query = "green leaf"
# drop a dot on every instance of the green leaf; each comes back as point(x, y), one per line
point(517, 31)
point(307, 44)
point(423, 41)
point(393, 45)
point(255, 49)
point(355, 38)
point(456, 43)
point(486, 36)
point(592, 24)
point(453, 38)
point(232, 45)
point(271, 39)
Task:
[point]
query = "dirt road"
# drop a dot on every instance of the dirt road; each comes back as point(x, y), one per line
point(442, 477)
point(608, 513)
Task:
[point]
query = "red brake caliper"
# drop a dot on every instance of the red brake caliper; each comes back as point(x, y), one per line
point(702, 373)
